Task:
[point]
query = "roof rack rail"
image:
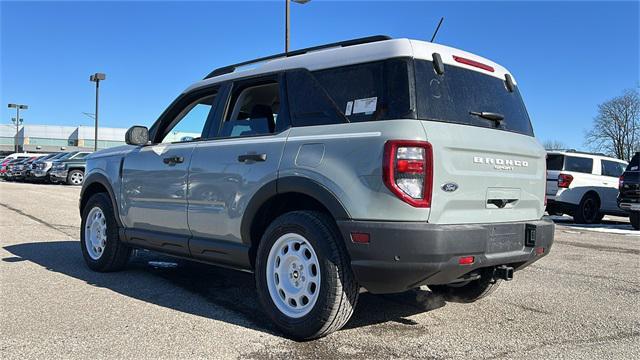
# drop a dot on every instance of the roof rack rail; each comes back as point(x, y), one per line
point(231, 68)
point(580, 152)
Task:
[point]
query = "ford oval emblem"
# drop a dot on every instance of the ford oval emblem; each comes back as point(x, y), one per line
point(450, 187)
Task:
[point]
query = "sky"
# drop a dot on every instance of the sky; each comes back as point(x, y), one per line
point(566, 56)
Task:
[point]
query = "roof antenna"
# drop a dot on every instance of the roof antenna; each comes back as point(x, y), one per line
point(437, 28)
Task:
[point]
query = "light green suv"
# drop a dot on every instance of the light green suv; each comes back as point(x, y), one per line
point(375, 163)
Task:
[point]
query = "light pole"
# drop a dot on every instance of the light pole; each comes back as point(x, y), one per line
point(286, 25)
point(17, 120)
point(97, 77)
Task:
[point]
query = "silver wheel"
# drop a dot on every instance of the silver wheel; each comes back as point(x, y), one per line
point(95, 233)
point(76, 177)
point(293, 275)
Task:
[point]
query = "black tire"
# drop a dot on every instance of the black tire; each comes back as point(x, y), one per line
point(72, 177)
point(470, 291)
point(338, 289)
point(115, 254)
point(634, 218)
point(588, 211)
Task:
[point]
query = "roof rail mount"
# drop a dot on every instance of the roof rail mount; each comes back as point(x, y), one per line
point(231, 68)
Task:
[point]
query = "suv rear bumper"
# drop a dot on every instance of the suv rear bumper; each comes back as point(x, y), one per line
point(404, 255)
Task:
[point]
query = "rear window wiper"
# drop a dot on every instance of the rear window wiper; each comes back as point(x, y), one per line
point(497, 117)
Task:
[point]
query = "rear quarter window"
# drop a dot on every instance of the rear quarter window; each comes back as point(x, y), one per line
point(578, 164)
point(612, 168)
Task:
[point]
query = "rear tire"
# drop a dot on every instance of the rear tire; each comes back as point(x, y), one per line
point(99, 239)
point(634, 218)
point(588, 211)
point(301, 255)
point(468, 292)
point(75, 177)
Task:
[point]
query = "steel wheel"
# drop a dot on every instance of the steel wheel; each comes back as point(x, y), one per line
point(293, 275)
point(95, 233)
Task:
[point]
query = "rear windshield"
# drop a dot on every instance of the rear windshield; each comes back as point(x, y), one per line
point(451, 97)
point(555, 162)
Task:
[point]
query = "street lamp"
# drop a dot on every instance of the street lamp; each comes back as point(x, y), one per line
point(17, 120)
point(97, 77)
point(286, 26)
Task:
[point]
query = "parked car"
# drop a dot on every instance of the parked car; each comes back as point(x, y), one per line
point(16, 168)
point(42, 167)
point(32, 164)
point(69, 171)
point(583, 185)
point(378, 163)
point(5, 161)
point(629, 195)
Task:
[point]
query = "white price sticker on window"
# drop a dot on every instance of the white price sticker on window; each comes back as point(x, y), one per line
point(367, 105)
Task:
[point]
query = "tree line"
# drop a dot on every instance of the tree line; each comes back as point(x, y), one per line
point(615, 130)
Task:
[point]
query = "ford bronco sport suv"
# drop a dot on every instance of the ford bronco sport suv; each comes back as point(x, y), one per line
point(379, 163)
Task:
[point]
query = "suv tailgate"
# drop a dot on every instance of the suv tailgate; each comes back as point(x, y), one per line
point(500, 175)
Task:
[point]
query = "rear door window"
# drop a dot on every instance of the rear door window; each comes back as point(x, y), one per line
point(555, 162)
point(612, 168)
point(578, 164)
point(451, 97)
point(354, 93)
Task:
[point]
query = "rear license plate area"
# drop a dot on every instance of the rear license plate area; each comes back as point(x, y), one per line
point(505, 238)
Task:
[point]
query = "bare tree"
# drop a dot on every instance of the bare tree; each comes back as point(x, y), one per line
point(554, 145)
point(616, 129)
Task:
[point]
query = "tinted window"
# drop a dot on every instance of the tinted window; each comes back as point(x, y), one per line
point(354, 93)
point(253, 111)
point(634, 164)
point(578, 164)
point(555, 162)
point(451, 96)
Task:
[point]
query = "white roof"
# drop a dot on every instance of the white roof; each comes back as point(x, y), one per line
point(355, 54)
point(585, 155)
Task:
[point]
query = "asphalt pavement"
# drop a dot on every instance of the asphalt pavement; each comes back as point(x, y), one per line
point(582, 301)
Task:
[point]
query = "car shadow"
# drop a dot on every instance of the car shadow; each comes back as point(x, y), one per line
point(232, 293)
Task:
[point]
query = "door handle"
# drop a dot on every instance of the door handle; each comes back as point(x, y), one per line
point(252, 157)
point(173, 160)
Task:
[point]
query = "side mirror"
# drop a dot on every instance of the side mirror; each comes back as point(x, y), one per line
point(137, 135)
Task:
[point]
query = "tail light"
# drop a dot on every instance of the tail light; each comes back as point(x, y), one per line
point(564, 180)
point(408, 171)
point(620, 182)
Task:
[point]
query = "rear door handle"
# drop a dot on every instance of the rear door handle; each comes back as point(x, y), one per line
point(252, 157)
point(173, 160)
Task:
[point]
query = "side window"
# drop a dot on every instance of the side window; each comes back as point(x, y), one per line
point(254, 110)
point(612, 168)
point(578, 164)
point(189, 124)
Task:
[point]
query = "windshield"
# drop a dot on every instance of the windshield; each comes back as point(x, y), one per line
point(555, 161)
point(451, 97)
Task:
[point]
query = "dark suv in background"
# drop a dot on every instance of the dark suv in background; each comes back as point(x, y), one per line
point(629, 195)
point(70, 170)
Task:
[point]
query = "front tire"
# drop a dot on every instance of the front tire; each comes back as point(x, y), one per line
point(75, 177)
point(634, 218)
point(468, 292)
point(101, 246)
point(303, 276)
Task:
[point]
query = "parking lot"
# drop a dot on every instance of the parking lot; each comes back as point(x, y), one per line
point(581, 301)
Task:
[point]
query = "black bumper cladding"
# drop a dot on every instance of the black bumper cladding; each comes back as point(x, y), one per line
point(403, 255)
